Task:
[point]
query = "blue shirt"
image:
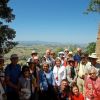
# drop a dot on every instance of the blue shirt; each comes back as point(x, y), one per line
point(45, 79)
point(13, 72)
point(77, 58)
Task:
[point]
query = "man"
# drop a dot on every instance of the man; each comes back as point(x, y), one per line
point(83, 71)
point(12, 73)
point(77, 56)
point(33, 54)
point(64, 91)
point(49, 60)
point(93, 60)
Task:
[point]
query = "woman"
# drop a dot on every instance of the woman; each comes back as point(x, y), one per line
point(59, 71)
point(47, 83)
point(92, 85)
point(34, 71)
point(76, 95)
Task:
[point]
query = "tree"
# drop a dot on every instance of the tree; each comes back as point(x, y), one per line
point(7, 34)
point(91, 47)
point(94, 6)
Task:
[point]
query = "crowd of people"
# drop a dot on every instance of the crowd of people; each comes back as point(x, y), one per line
point(65, 76)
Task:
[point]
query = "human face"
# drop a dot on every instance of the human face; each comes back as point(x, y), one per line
point(36, 61)
point(32, 66)
point(75, 91)
point(83, 60)
point(71, 63)
point(93, 74)
point(14, 60)
point(52, 54)
point(46, 67)
point(58, 63)
point(64, 84)
point(26, 74)
point(93, 61)
point(48, 53)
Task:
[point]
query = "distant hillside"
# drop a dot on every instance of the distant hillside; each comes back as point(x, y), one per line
point(24, 49)
point(30, 43)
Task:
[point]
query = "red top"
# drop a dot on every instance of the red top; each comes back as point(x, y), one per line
point(80, 97)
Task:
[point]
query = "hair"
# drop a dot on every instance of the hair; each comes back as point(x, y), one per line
point(92, 69)
point(72, 86)
point(64, 80)
point(58, 59)
point(46, 63)
point(25, 68)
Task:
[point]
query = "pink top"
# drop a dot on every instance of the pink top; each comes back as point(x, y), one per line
point(92, 88)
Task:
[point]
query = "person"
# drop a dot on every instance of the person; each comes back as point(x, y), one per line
point(93, 60)
point(77, 56)
point(82, 73)
point(76, 95)
point(2, 78)
point(12, 74)
point(62, 57)
point(2, 73)
point(59, 71)
point(64, 90)
point(33, 54)
point(47, 83)
point(49, 60)
point(25, 84)
point(34, 71)
point(66, 51)
point(37, 62)
point(53, 56)
point(92, 85)
point(71, 71)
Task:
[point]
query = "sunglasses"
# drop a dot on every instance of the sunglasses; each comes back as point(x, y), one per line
point(92, 73)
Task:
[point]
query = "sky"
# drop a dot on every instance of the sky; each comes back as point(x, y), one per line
point(61, 21)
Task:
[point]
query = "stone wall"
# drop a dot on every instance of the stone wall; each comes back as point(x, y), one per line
point(98, 45)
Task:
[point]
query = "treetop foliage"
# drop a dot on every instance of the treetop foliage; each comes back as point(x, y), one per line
point(94, 6)
point(6, 33)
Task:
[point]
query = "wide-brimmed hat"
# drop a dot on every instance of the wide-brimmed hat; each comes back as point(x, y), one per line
point(70, 53)
point(34, 52)
point(93, 55)
point(70, 59)
point(61, 53)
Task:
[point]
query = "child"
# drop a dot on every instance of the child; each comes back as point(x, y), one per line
point(76, 95)
point(25, 84)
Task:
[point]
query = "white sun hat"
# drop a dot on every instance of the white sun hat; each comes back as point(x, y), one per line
point(93, 55)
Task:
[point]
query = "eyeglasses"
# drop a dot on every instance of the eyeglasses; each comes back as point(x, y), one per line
point(92, 73)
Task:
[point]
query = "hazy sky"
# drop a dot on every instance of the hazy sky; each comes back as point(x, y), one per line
point(54, 21)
